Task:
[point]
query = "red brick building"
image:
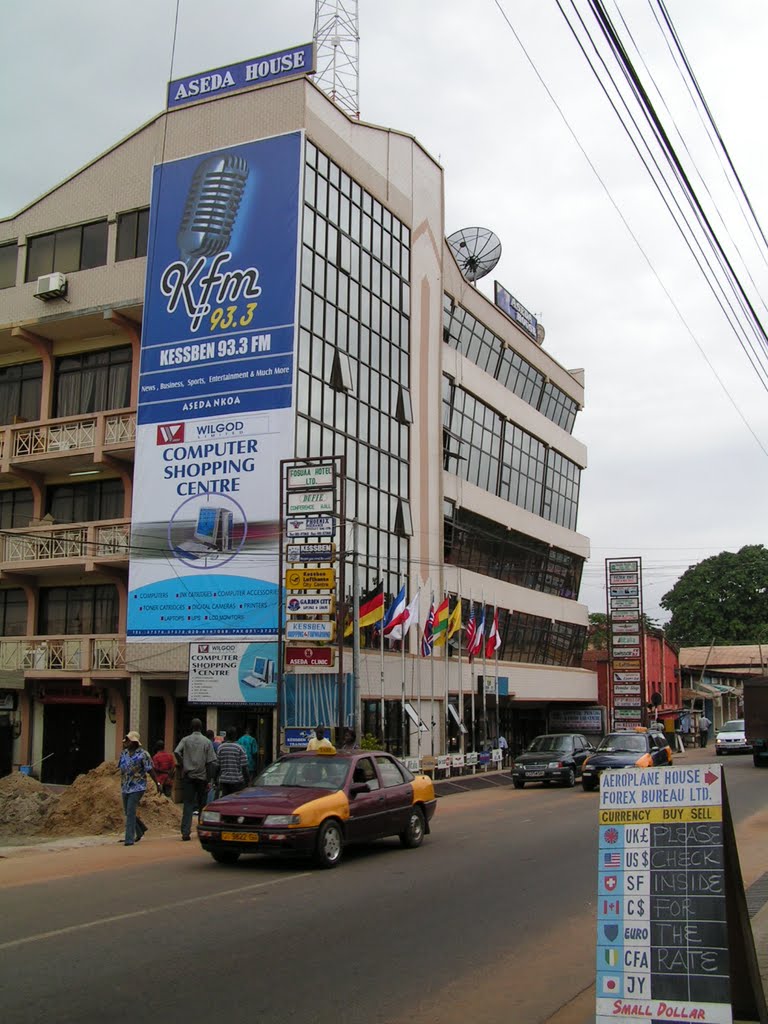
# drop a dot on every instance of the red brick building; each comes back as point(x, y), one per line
point(662, 674)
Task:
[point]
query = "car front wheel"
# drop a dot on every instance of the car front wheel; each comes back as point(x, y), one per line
point(330, 843)
point(589, 785)
point(413, 835)
point(570, 778)
point(518, 783)
point(225, 856)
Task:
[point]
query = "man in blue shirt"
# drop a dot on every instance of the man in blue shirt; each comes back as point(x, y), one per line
point(251, 748)
point(135, 765)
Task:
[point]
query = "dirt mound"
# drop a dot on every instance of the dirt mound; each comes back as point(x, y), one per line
point(93, 805)
point(24, 805)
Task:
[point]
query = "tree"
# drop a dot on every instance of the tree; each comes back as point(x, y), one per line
point(597, 633)
point(722, 600)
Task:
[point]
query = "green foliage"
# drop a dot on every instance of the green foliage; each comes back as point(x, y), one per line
point(370, 742)
point(721, 600)
point(597, 634)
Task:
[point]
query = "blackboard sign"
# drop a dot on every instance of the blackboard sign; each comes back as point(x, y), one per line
point(662, 928)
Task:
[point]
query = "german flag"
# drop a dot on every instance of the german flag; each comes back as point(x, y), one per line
point(371, 608)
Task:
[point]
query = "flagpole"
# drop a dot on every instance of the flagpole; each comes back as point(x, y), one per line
point(402, 675)
point(485, 692)
point(447, 689)
point(432, 681)
point(496, 660)
point(418, 703)
point(462, 740)
point(383, 705)
point(472, 683)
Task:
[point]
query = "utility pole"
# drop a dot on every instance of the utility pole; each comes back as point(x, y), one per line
point(355, 629)
point(337, 47)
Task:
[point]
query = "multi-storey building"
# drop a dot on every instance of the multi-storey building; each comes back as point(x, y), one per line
point(456, 426)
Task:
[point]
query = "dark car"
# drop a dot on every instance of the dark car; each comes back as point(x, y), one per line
point(315, 803)
point(639, 748)
point(554, 757)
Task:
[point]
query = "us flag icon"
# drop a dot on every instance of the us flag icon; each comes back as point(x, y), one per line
point(612, 860)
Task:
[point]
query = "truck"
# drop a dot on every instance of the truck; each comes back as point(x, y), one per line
point(756, 718)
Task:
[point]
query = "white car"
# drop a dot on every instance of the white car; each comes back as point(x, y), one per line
point(731, 738)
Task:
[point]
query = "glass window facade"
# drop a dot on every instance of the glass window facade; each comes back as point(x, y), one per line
point(73, 611)
point(481, 346)
point(85, 503)
point(67, 250)
point(20, 391)
point(355, 303)
point(132, 230)
point(502, 458)
point(474, 542)
point(16, 508)
point(93, 381)
point(13, 612)
point(9, 255)
point(532, 639)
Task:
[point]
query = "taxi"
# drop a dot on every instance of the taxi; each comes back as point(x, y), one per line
point(641, 748)
point(315, 803)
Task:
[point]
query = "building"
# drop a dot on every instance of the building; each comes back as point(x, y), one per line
point(455, 423)
point(713, 678)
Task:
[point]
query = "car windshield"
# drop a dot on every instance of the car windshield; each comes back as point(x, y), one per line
point(737, 725)
point(305, 772)
point(618, 741)
point(542, 743)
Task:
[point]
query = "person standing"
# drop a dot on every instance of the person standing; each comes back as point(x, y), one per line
point(319, 740)
point(504, 748)
point(165, 768)
point(234, 773)
point(196, 760)
point(704, 727)
point(350, 740)
point(251, 748)
point(135, 765)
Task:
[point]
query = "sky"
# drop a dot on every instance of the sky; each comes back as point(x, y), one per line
point(675, 418)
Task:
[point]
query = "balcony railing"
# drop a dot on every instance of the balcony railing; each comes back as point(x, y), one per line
point(63, 654)
point(91, 540)
point(75, 433)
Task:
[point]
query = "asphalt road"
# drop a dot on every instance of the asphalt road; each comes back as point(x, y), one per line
point(492, 919)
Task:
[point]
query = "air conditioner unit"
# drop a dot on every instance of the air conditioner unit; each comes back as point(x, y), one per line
point(51, 286)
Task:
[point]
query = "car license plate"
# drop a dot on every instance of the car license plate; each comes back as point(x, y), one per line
point(240, 837)
point(534, 775)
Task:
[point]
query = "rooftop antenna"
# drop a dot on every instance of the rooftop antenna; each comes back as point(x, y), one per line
point(337, 45)
point(477, 251)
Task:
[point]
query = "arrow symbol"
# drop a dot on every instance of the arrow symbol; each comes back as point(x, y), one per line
point(710, 777)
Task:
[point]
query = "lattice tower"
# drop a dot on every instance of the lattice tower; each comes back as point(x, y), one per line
point(337, 45)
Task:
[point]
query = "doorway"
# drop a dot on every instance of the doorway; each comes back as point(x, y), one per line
point(73, 741)
point(260, 725)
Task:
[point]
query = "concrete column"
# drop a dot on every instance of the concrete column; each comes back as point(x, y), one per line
point(138, 710)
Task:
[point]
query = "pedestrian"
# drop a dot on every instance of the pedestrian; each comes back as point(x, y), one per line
point(233, 764)
point(704, 727)
point(251, 748)
point(503, 747)
point(212, 737)
point(319, 740)
point(135, 765)
point(165, 768)
point(350, 740)
point(197, 762)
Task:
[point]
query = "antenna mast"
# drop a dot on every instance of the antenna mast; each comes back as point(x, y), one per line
point(337, 44)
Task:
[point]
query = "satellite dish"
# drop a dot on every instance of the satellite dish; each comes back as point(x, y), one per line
point(540, 334)
point(477, 251)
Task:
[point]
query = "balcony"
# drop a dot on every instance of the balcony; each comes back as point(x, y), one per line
point(34, 548)
point(73, 442)
point(75, 655)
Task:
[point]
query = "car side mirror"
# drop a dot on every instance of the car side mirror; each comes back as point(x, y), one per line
point(359, 787)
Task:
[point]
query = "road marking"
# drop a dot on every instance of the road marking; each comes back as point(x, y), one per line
point(14, 943)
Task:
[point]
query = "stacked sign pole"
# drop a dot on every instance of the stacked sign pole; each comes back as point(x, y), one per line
point(626, 676)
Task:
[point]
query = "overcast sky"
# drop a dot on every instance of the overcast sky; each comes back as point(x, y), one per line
point(674, 473)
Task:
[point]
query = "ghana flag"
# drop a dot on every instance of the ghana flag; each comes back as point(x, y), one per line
point(441, 624)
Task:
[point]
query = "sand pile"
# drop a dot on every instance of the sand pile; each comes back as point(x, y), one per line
point(24, 805)
point(93, 806)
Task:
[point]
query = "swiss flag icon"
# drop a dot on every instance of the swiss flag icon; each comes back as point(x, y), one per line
point(610, 882)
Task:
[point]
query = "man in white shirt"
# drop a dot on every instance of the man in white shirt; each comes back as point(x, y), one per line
point(704, 727)
point(319, 740)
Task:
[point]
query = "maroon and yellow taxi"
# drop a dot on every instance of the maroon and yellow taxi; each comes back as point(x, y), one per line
point(315, 803)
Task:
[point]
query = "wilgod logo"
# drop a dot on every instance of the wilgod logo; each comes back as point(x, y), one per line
point(211, 429)
point(170, 433)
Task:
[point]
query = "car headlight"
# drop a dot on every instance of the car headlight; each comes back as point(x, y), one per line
point(555, 764)
point(211, 816)
point(587, 768)
point(282, 819)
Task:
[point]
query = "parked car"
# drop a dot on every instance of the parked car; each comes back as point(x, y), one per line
point(315, 803)
point(731, 738)
point(553, 757)
point(641, 748)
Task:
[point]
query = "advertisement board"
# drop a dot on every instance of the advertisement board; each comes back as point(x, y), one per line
point(576, 720)
point(233, 673)
point(248, 74)
point(215, 410)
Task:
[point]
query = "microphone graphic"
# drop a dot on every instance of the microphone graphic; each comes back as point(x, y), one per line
point(211, 207)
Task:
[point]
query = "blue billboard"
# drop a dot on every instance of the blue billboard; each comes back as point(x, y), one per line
point(215, 412)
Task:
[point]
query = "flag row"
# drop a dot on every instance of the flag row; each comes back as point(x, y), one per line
point(394, 623)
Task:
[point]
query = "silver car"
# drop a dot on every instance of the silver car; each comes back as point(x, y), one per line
point(731, 738)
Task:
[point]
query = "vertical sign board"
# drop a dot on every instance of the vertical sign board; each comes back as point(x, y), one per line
point(662, 923)
point(216, 392)
point(624, 589)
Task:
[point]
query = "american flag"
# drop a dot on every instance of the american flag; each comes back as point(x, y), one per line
point(428, 639)
point(469, 631)
point(612, 860)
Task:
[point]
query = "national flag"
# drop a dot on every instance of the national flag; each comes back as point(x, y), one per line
point(427, 638)
point(399, 629)
point(494, 640)
point(395, 610)
point(610, 882)
point(470, 630)
point(371, 609)
point(611, 932)
point(477, 644)
point(612, 860)
point(611, 835)
point(440, 627)
point(611, 907)
point(454, 620)
point(609, 985)
point(611, 957)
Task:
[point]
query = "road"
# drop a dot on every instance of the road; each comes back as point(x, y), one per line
point(493, 918)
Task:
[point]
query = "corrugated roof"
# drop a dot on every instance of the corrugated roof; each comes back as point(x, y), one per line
point(747, 656)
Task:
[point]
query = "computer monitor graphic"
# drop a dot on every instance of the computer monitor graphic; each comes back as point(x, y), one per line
point(261, 673)
point(213, 533)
